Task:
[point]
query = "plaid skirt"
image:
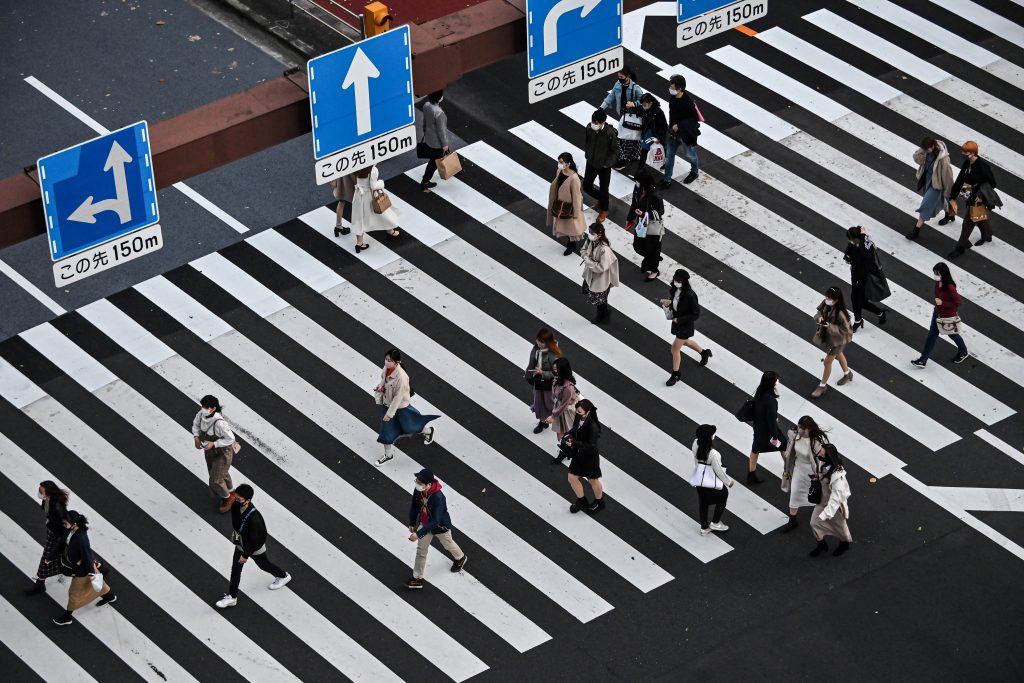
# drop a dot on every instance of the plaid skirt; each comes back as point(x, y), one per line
point(45, 570)
point(595, 298)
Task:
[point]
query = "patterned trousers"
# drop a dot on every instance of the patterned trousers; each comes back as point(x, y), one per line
point(218, 464)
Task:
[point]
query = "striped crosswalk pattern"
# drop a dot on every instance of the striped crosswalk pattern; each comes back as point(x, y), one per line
point(288, 329)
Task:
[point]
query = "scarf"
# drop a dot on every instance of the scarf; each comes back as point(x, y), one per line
point(424, 495)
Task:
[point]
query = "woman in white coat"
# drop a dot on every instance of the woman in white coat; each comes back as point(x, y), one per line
point(600, 271)
point(368, 183)
point(804, 443)
point(710, 480)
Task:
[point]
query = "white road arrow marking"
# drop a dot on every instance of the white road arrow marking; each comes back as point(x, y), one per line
point(551, 20)
point(360, 71)
point(86, 213)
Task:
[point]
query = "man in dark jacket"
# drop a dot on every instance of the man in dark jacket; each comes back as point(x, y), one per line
point(975, 181)
point(428, 517)
point(683, 129)
point(602, 151)
point(250, 539)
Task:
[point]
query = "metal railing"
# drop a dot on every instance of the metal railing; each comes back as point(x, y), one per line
point(353, 21)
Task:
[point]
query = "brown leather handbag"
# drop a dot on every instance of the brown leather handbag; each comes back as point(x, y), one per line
point(381, 201)
point(562, 210)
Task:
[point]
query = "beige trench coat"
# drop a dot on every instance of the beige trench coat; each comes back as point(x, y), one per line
point(600, 266)
point(574, 227)
point(942, 170)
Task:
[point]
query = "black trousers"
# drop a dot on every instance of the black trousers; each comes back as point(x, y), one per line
point(708, 497)
point(859, 302)
point(968, 227)
point(605, 176)
point(261, 561)
point(431, 169)
point(650, 249)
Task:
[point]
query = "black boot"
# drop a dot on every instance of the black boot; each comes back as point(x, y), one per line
point(790, 525)
point(822, 547)
point(673, 378)
point(39, 586)
point(570, 247)
point(752, 478)
point(841, 548)
point(578, 505)
point(914, 234)
point(606, 312)
point(596, 506)
point(597, 315)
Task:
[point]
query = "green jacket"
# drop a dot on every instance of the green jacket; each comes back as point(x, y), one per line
point(602, 146)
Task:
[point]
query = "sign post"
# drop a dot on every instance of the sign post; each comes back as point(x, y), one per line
point(571, 42)
point(94, 194)
point(699, 19)
point(361, 103)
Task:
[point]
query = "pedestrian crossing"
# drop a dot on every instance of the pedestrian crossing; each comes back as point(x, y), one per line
point(288, 327)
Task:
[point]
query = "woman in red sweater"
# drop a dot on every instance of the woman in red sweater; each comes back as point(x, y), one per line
point(947, 303)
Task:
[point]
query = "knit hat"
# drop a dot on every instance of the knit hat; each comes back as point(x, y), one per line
point(705, 433)
point(970, 147)
point(425, 476)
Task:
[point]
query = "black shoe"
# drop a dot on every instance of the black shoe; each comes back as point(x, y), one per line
point(596, 506)
point(752, 478)
point(578, 505)
point(705, 355)
point(665, 184)
point(37, 588)
point(857, 325)
point(790, 525)
point(569, 247)
point(841, 548)
point(918, 363)
point(362, 247)
point(822, 547)
point(107, 599)
point(672, 379)
point(914, 234)
point(606, 312)
point(961, 357)
point(982, 241)
point(457, 565)
point(948, 218)
point(557, 460)
point(690, 178)
point(541, 426)
point(427, 186)
point(882, 318)
point(414, 583)
point(956, 253)
point(339, 231)
point(64, 619)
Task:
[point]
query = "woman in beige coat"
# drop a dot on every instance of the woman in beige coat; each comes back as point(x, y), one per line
point(600, 271)
point(934, 181)
point(364, 218)
point(565, 189)
point(833, 334)
point(398, 418)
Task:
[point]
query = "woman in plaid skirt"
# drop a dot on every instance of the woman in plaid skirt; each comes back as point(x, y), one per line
point(55, 508)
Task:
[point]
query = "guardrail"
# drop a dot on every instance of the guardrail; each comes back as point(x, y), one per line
point(353, 20)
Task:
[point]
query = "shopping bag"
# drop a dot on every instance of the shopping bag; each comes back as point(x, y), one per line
point(448, 165)
point(381, 201)
point(656, 157)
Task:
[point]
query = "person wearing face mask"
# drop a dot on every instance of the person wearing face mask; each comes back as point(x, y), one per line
point(832, 512)
point(682, 302)
point(565, 204)
point(540, 376)
point(947, 308)
point(428, 518)
point(600, 271)
point(250, 539)
point(601, 149)
point(805, 442)
point(78, 562)
point(623, 101)
point(434, 143)
point(647, 209)
point(768, 435)
point(710, 480)
point(655, 127)
point(212, 434)
point(564, 396)
point(398, 417)
point(580, 444)
point(934, 182)
point(833, 334)
point(867, 279)
point(977, 186)
point(54, 502)
point(683, 129)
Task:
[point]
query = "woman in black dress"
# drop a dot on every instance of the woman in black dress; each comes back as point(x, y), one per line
point(580, 444)
point(682, 303)
point(867, 280)
point(55, 507)
point(768, 436)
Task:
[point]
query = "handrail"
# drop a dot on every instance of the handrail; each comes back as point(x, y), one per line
point(357, 21)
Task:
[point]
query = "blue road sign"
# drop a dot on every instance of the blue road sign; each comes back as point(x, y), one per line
point(689, 9)
point(561, 32)
point(361, 91)
point(98, 190)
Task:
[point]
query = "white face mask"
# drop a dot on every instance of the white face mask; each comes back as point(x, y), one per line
point(592, 237)
point(597, 126)
point(41, 495)
point(211, 411)
point(561, 166)
point(646, 107)
point(677, 284)
point(389, 364)
point(938, 278)
point(830, 302)
point(673, 92)
point(421, 487)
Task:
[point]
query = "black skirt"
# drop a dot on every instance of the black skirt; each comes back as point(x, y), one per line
point(682, 330)
point(586, 466)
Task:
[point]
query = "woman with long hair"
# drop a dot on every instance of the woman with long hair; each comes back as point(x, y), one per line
point(805, 442)
point(867, 280)
point(54, 502)
point(580, 444)
point(77, 560)
point(833, 334)
point(832, 512)
point(398, 417)
point(565, 204)
point(710, 480)
point(682, 302)
point(600, 271)
point(934, 183)
point(564, 397)
point(768, 435)
point(648, 209)
point(364, 218)
point(539, 375)
point(947, 310)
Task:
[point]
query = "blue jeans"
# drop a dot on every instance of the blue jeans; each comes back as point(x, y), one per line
point(933, 336)
point(670, 157)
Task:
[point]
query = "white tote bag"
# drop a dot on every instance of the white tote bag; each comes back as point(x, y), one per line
point(704, 477)
point(97, 582)
point(656, 156)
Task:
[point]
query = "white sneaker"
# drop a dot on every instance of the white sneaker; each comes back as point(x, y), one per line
point(705, 532)
point(718, 526)
point(280, 583)
point(383, 459)
point(428, 435)
point(227, 601)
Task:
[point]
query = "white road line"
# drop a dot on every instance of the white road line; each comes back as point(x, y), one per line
point(944, 39)
point(985, 18)
point(36, 651)
point(100, 129)
point(318, 553)
point(178, 305)
point(983, 500)
point(161, 585)
point(129, 335)
point(1015, 453)
point(36, 293)
point(647, 313)
point(895, 411)
point(468, 447)
point(292, 612)
point(910, 63)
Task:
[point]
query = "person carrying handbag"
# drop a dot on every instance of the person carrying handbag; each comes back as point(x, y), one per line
point(934, 183)
point(710, 480)
point(539, 375)
point(685, 309)
point(832, 509)
point(212, 434)
point(366, 215)
point(945, 317)
point(78, 562)
point(805, 442)
point(648, 210)
point(977, 186)
point(565, 205)
point(623, 101)
point(867, 279)
point(435, 137)
point(833, 334)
